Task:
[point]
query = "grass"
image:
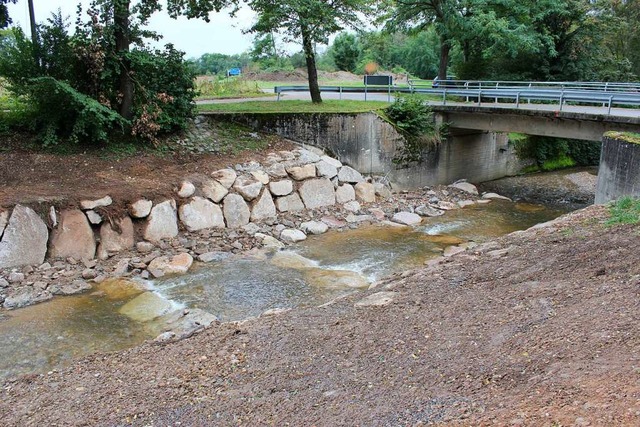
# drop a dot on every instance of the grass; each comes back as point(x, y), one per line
point(624, 211)
point(215, 88)
point(331, 106)
point(631, 137)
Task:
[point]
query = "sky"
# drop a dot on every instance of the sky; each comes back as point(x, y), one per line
point(222, 34)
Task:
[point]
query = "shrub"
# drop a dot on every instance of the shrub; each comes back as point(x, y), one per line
point(413, 118)
point(556, 153)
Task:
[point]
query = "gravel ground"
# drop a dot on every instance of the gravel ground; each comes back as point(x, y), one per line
point(536, 328)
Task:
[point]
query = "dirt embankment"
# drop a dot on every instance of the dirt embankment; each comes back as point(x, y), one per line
point(537, 328)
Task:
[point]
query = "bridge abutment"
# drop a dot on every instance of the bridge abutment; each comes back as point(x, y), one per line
point(619, 171)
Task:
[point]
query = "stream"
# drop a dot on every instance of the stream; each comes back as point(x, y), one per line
point(119, 314)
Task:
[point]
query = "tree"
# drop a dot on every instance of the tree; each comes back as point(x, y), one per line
point(346, 50)
point(307, 22)
point(5, 19)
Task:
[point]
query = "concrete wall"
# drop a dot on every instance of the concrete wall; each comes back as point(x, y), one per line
point(368, 144)
point(619, 172)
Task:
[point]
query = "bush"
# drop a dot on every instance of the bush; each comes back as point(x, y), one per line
point(556, 153)
point(413, 118)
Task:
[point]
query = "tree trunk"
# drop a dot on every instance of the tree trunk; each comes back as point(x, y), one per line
point(34, 33)
point(310, 56)
point(445, 47)
point(121, 21)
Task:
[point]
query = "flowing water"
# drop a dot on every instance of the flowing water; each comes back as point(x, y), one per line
point(117, 314)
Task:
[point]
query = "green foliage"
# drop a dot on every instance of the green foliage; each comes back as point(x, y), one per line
point(345, 51)
point(413, 118)
point(5, 19)
point(562, 162)
point(218, 63)
point(220, 87)
point(555, 153)
point(624, 211)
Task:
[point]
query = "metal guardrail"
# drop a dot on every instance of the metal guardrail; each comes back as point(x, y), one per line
point(528, 92)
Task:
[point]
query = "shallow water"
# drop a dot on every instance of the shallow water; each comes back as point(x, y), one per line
point(37, 338)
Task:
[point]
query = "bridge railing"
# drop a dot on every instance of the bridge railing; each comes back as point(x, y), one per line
point(506, 84)
point(624, 96)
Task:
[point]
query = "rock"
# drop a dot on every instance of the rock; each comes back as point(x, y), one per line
point(93, 217)
point(465, 186)
point(491, 196)
point(349, 175)
point(76, 287)
point(162, 222)
point(187, 189)
point(354, 219)
point(226, 177)
point(317, 193)
point(263, 208)
point(165, 337)
point(213, 190)
point(145, 247)
point(333, 222)
point(140, 208)
point(292, 236)
point(24, 241)
point(281, 188)
point(345, 193)
point(26, 296)
point(378, 299)
point(200, 213)
point(274, 312)
point(365, 192)
point(118, 240)
point(336, 279)
point(248, 189)
point(307, 156)
point(3, 283)
point(406, 218)
point(288, 259)
point(326, 170)
point(290, 203)
point(352, 206)
point(447, 206)
point(4, 220)
point(277, 170)
point(122, 267)
point(269, 242)
point(15, 277)
point(330, 160)
point(184, 323)
point(429, 211)
point(382, 191)
point(465, 203)
point(252, 228)
point(300, 173)
point(377, 213)
point(260, 176)
point(53, 217)
point(236, 211)
point(314, 227)
point(92, 204)
point(450, 251)
point(145, 307)
point(178, 264)
point(213, 256)
point(73, 237)
point(498, 253)
point(89, 273)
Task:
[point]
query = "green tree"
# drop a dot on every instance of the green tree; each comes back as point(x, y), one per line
point(346, 51)
point(307, 22)
point(5, 19)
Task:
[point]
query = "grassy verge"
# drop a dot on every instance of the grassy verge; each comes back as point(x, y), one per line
point(624, 211)
point(331, 106)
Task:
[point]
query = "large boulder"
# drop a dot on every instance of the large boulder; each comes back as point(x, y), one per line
point(187, 189)
point(307, 156)
point(281, 188)
point(263, 208)
point(365, 192)
point(73, 237)
point(300, 173)
point(326, 169)
point(349, 175)
point(466, 187)
point(248, 188)
point(116, 240)
point(236, 211)
point(290, 203)
point(226, 177)
point(24, 241)
point(200, 213)
point(334, 162)
point(213, 190)
point(345, 193)
point(317, 193)
point(162, 222)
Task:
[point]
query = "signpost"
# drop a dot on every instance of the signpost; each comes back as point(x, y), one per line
point(378, 81)
point(232, 72)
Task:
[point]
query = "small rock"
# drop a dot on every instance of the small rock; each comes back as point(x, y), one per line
point(3, 283)
point(349, 175)
point(252, 228)
point(76, 287)
point(292, 236)
point(163, 265)
point(140, 208)
point(378, 299)
point(382, 191)
point(92, 204)
point(213, 256)
point(465, 203)
point(314, 227)
point(226, 177)
point(145, 247)
point(93, 217)
point(377, 213)
point(53, 217)
point(121, 268)
point(281, 188)
point(491, 196)
point(165, 337)
point(407, 218)
point(354, 219)
point(187, 189)
point(352, 206)
point(429, 211)
point(214, 191)
point(465, 186)
point(453, 250)
point(260, 176)
point(15, 277)
point(333, 222)
point(277, 171)
point(300, 173)
point(89, 274)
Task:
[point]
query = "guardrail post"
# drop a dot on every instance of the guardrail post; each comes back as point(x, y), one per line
point(609, 109)
point(561, 99)
point(479, 98)
point(340, 93)
point(517, 99)
point(444, 96)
